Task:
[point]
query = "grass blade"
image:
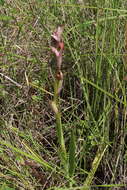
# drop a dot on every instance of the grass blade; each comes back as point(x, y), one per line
point(72, 148)
point(95, 165)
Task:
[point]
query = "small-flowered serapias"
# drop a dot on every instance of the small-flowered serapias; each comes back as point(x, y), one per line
point(57, 46)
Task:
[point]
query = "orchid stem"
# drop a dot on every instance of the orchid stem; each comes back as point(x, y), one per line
point(57, 49)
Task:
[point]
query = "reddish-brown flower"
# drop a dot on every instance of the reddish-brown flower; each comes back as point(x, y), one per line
point(58, 46)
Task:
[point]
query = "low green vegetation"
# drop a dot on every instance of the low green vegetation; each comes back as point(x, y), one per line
point(66, 133)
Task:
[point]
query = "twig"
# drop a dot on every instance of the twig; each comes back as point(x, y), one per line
point(11, 80)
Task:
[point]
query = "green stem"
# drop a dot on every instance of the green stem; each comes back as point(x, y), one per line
point(63, 154)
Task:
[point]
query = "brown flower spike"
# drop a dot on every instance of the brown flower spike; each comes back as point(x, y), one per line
point(58, 46)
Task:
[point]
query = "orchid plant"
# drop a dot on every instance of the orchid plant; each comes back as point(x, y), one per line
point(57, 47)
